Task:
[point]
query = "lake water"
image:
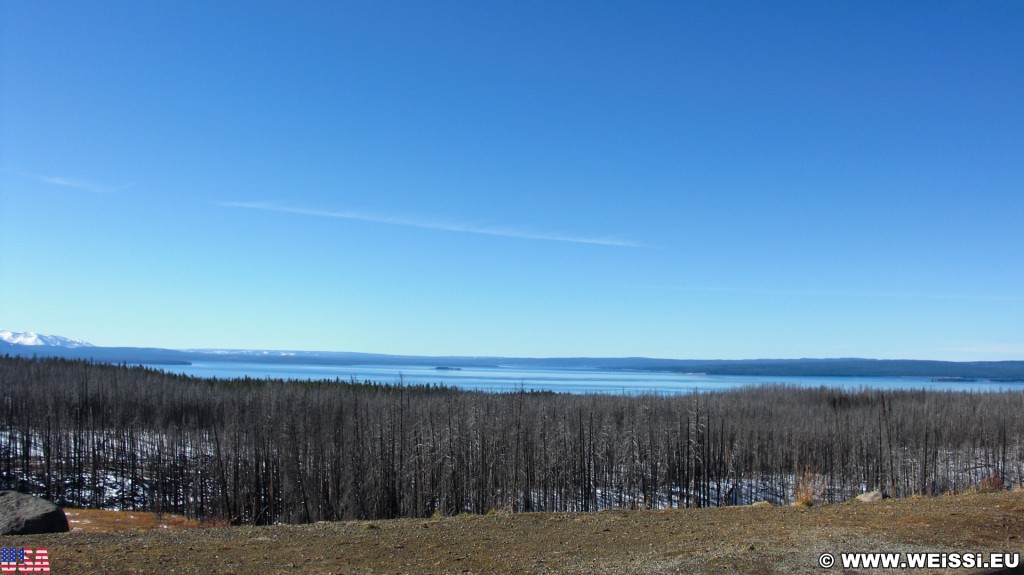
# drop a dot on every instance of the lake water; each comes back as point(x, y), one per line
point(564, 380)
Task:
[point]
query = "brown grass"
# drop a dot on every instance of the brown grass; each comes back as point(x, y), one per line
point(768, 540)
point(97, 520)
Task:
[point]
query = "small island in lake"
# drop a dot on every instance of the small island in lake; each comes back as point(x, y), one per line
point(449, 368)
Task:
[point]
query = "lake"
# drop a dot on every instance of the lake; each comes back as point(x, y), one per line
point(563, 380)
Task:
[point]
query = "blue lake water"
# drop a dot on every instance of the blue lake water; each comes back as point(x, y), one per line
point(564, 380)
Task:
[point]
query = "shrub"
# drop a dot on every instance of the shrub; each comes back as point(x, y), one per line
point(990, 484)
point(808, 487)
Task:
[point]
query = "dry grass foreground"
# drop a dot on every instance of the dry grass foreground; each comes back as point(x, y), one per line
point(755, 539)
point(100, 521)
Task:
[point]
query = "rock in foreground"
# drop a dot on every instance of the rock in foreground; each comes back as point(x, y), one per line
point(870, 497)
point(22, 514)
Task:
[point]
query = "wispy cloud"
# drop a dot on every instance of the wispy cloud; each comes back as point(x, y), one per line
point(839, 293)
point(502, 231)
point(79, 184)
point(65, 182)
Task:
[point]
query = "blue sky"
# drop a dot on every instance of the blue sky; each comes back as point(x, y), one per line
point(669, 179)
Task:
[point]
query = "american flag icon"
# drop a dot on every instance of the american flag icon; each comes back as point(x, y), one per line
point(23, 560)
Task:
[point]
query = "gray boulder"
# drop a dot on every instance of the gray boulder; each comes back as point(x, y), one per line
point(22, 514)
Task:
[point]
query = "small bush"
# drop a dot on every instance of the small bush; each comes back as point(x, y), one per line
point(991, 484)
point(807, 488)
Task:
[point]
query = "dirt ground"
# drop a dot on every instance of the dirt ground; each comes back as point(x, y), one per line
point(755, 539)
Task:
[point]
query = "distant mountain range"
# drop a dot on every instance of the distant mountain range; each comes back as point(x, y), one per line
point(30, 344)
point(37, 339)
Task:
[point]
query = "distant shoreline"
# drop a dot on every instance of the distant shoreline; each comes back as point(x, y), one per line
point(997, 371)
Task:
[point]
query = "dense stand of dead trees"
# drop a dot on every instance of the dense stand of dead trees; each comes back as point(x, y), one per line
point(261, 451)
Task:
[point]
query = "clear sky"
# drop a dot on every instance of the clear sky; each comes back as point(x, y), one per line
point(670, 179)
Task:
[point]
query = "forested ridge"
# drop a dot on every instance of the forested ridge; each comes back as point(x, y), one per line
point(827, 367)
point(264, 451)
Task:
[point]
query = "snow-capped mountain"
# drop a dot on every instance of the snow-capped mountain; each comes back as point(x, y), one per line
point(31, 338)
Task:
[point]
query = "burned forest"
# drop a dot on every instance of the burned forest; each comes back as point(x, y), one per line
point(256, 451)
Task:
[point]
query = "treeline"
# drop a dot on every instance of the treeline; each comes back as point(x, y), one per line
point(265, 451)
